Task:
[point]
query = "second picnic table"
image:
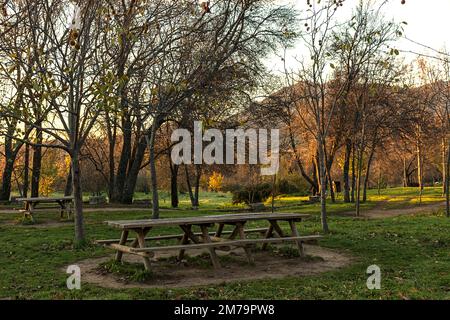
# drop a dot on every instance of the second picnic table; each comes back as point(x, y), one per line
point(30, 204)
point(206, 239)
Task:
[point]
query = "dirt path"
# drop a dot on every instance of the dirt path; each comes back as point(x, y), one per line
point(92, 210)
point(268, 265)
point(380, 212)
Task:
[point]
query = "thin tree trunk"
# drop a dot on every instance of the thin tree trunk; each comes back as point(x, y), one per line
point(360, 165)
point(346, 171)
point(353, 174)
point(379, 180)
point(315, 178)
point(323, 194)
point(154, 180)
point(174, 185)
point(198, 175)
point(188, 182)
point(444, 166)
point(447, 184)
point(132, 176)
point(405, 174)
point(68, 189)
point(78, 199)
point(367, 176)
point(125, 156)
point(299, 162)
point(330, 182)
point(5, 193)
point(112, 138)
point(358, 182)
point(37, 164)
point(419, 169)
point(26, 171)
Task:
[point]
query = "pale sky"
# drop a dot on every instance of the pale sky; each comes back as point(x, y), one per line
point(428, 23)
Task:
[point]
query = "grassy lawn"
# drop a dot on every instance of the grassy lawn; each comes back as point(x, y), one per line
point(412, 252)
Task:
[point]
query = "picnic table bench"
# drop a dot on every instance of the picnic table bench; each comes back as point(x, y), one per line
point(206, 239)
point(30, 204)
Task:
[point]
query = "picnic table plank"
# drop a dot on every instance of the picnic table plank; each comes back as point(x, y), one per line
point(46, 200)
point(231, 218)
point(236, 243)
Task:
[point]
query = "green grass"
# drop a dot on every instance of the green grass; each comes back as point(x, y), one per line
point(413, 253)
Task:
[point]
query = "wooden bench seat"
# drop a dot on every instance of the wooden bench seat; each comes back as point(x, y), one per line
point(178, 236)
point(217, 245)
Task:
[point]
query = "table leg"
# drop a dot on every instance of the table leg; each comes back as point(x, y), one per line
point(69, 209)
point(123, 241)
point(248, 252)
point(31, 211)
point(277, 228)
point(62, 209)
point(190, 234)
point(296, 234)
point(235, 233)
point(220, 230)
point(141, 233)
point(184, 240)
point(268, 235)
point(212, 251)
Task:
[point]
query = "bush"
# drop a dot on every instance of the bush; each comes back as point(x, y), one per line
point(286, 187)
point(216, 182)
point(252, 194)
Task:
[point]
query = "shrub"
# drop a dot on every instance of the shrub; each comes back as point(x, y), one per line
point(215, 182)
point(286, 187)
point(252, 194)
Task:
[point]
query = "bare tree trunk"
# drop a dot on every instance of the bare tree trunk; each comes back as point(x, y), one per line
point(26, 172)
point(174, 185)
point(419, 170)
point(358, 182)
point(323, 187)
point(112, 138)
point(353, 174)
point(447, 184)
point(10, 159)
point(37, 164)
point(379, 180)
point(5, 193)
point(188, 182)
point(133, 173)
point(367, 176)
point(346, 171)
point(405, 174)
point(316, 187)
point(198, 175)
point(360, 165)
point(154, 180)
point(299, 163)
point(329, 163)
point(78, 199)
point(316, 160)
point(68, 189)
point(125, 156)
point(444, 166)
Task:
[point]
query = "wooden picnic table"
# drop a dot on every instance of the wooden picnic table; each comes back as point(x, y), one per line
point(209, 239)
point(30, 204)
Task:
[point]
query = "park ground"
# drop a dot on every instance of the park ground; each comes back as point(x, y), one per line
point(407, 238)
